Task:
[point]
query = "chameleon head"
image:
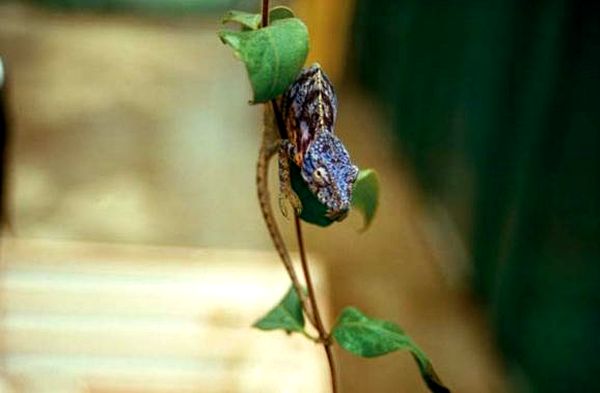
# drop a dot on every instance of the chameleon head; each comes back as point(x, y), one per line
point(330, 174)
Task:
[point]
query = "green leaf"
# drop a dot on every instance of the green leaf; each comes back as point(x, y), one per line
point(365, 195)
point(287, 315)
point(273, 55)
point(313, 211)
point(369, 337)
point(246, 19)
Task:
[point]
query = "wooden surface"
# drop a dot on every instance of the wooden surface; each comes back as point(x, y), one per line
point(102, 318)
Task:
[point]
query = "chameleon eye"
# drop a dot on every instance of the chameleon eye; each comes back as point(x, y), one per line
point(320, 176)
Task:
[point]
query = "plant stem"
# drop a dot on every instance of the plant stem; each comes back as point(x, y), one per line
point(265, 13)
point(323, 334)
point(318, 322)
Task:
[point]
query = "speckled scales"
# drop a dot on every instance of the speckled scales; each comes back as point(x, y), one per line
point(309, 107)
point(309, 110)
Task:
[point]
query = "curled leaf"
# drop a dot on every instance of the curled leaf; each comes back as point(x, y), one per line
point(365, 195)
point(369, 337)
point(273, 55)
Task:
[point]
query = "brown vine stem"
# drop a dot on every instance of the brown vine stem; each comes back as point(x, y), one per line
point(265, 13)
point(315, 318)
point(324, 337)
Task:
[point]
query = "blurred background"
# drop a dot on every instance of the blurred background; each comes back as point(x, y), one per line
point(134, 256)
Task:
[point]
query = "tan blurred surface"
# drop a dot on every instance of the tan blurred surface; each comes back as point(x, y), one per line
point(137, 130)
point(90, 317)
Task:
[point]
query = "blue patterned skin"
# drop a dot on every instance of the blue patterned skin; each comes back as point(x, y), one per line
point(309, 110)
point(328, 152)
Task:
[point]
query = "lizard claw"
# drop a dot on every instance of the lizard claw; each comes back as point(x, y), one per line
point(282, 206)
point(295, 202)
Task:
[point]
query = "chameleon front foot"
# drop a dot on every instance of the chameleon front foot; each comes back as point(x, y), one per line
point(293, 200)
point(286, 193)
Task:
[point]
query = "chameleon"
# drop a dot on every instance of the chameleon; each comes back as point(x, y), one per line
point(306, 138)
point(309, 111)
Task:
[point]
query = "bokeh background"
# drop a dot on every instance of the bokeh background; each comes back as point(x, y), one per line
point(126, 123)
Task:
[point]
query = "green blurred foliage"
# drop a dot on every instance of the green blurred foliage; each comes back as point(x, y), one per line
point(496, 104)
point(163, 6)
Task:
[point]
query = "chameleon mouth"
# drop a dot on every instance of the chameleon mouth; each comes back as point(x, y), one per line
point(337, 215)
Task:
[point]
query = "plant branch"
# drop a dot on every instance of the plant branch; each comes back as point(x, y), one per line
point(309, 284)
point(312, 312)
point(265, 13)
point(278, 119)
point(323, 334)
